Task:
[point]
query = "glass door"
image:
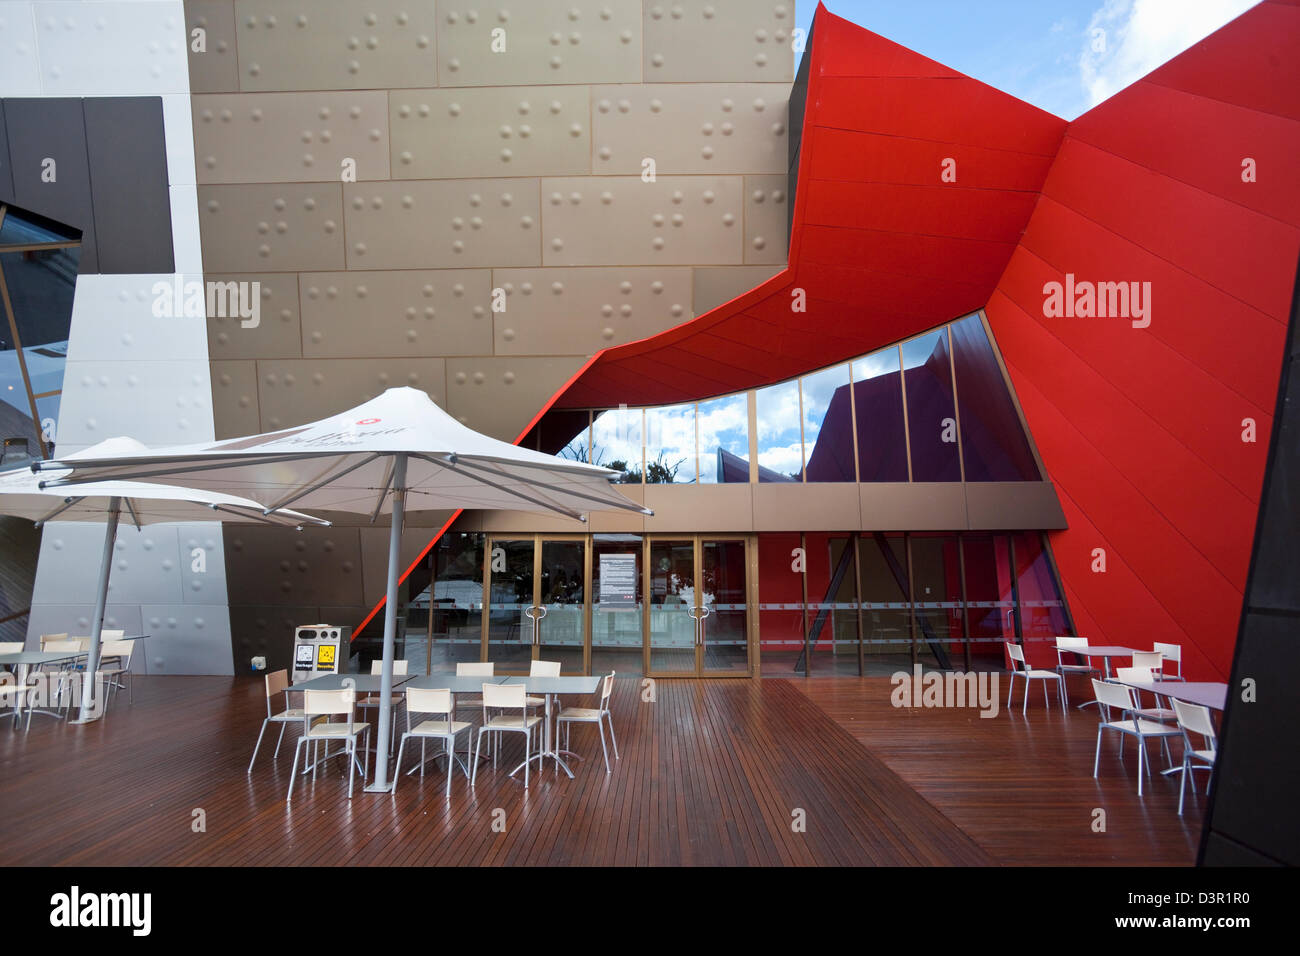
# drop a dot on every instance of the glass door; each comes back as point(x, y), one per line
point(697, 619)
point(617, 604)
point(560, 604)
point(673, 608)
point(724, 608)
point(508, 636)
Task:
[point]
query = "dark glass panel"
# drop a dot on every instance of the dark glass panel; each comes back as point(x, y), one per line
point(832, 604)
point(936, 591)
point(878, 398)
point(828, 426)
point(1042, 606)
point(993, 443)
point(990, 604)
point(886, 611)
point(931, 413)
point(780, 613)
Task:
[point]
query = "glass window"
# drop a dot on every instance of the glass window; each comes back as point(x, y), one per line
point(936, 590)
point(456, 604)
point(616, 641)
point(828, 426)
point(886, 609)
point(990, 604)
point(1042, 608)
point(724, 440)
point(616, 443)
point(780, 615)
point(931, 412)
point(780, 451)
point(878, 400)
point(670, 445)
point(577, 448)
point(993, 442)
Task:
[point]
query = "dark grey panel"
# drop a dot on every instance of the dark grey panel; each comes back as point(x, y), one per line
point(40, 129)
point(128, 177)
point(1013, 506)
point(267, 630)
point(6, 180)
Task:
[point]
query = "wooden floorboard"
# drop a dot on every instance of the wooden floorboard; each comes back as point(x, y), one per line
point(710, 773)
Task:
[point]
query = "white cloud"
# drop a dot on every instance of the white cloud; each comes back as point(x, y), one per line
point(1139, 35)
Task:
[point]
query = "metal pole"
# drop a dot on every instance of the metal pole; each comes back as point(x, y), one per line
point(97, 624)
point(381, 784)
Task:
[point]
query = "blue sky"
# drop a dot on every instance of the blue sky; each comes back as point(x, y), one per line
point(1042, 51)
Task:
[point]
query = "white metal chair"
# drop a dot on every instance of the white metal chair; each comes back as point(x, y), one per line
point(1170, 654)
point(1148, 659)
point(1144, 675)
point(119, 675)
point(16, 696)
point(436, 703)
point(500, 698)
point(1063, 644)
point(12, 647)
point(331, 703)
point(47, 638)
point(374, 700)
point(1197, 720)
point(542, 669)
point(277, 682)
point(61, 675)
point(1120, 697)
point(1021, 669)
point(592, 715)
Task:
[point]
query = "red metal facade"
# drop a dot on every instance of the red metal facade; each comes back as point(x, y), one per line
point(1140, 428)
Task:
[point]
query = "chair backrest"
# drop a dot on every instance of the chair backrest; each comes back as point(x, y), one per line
point(83, 643)
point(424, 701)
point(277, 682)
point(46, 638)
point(1170, 654)
point(110, 635)
point(1072, 642)
point(1113, 695)
point(544, 669)
point(120, 649)
point(606, 688)
point(1130, 675)
point(504, 695)
point(377, 668)
point(61, 647)
point(475, 669)
point(1195, 718)
point(1017, 656)
point(326, 703)
point(12, 647)
point(1147, 659)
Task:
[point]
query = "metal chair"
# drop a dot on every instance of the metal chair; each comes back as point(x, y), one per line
point(277, 682)
point(500, 698)
point(119, 675)
point(1195, 718)
point(1019, 668)
point(61, 674)
point(592, 715)
point(435, 703)
point(1144, 675)
point(1063, 644)
point(331, 703)
point(1120, 697)
point(542, 669)
point(374, 700)
point(16, 696)
point(1170, 654)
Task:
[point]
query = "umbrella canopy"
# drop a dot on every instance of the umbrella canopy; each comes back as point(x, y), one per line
point(26, 495)
point(395, 451)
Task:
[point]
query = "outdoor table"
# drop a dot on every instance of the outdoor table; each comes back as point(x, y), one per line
point(25, 660)
point(549, 687)
point(1105, 652)
point(1211, 694)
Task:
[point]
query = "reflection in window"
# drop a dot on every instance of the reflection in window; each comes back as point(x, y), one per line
point(579, 448)
point(724, 440)
point(828, 426)
point(616, 443)
point(670, 445)
point(1042, 607)
point(931, 411)
point(780, 451)
point(993, 443)
point(878, 400)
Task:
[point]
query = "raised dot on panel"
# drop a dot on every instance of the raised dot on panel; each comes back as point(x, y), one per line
point(727, 129)
point(556, 199)
point(508, 334)
point(507, 199)
point(408, 202)
point(525, 131)
point(656, 105)
point(708, 13)
point(508, 378)
point(605, 152)
point(658, 242)
point(676, 309)
point(479, 378)
point(625, 310)
point(607, 333)
point(328, 225)
point(728, 219)
point(759, 105)
point(657, 60)
point(309, 204)
point(506, 155)
point(557, 244)
point(625, 36)
point(759, 242)
point(526, 222)
point(458, 289)
point(709, 195)
point(758, 195)
point(454, 109)
point(607, 197)
point(707, 152)
point(728, 105)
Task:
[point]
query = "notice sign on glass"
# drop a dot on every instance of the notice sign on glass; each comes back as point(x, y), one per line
point(617, 582)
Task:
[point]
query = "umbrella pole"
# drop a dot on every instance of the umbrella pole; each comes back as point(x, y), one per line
point(381, 783)
point(97, 624)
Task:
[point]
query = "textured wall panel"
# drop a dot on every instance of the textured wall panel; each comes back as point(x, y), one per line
point(713, 287)
point(676, 220)
point(291, 392)
point(113, 318)
point(374, 556)
point(516, 131)
point(158, 403)
point(459, 223)
point(131, 48)
point(216, 69)
point(234, 399)
point(19, 69)
point(278, 330)
point(202, 563)
point(271, 228)
point(126, 145)
point(187, 638)
point(499, 396)
point(766, 219)
point(417, 312)
point(266, 565)
point(334, 44)
point(53, 129)
point(74, 620)
point(178, 130)
point(266, 630)
point(145, 564)
point(544, 43)
point(691, 128)
point(290, 137)
point(706, 40)
point(187, 244)
point(581, 311)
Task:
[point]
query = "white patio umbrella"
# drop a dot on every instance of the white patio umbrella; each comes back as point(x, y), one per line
point(26, 495)
point(369, 460)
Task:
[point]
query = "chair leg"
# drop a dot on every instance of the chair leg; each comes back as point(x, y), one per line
point(610, 718)
point(258, 745)
point(1011, 687)
point(1096, 757)
point(352, 763)
point(293, 776)
point(528, 738)
point(283, 728)
point(600, 725)
point(1182, 785)
point(397, 772)
point(449, 745)
point(423, 757)
point(1141, 753)
point(1024, 703)
point(478, 744)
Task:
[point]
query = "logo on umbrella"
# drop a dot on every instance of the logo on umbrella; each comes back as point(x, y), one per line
point(369, 421)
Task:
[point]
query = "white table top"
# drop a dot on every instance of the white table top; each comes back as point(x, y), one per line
point(366, 683)
point(38, 657)
point(576, 684)
point(1210, 694)
point(1104, 650)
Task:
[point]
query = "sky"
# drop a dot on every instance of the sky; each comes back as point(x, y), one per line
point(1046, 52)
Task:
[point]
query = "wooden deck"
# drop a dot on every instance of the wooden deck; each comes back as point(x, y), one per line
point(711, 773)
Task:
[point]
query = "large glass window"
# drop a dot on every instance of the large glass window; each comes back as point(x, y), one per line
point(931, 410)
point(993, 442)
point(936, 591)
point(878, 401)
point(990, 598)
point(724, 440)
point(670, 455)
point(1042, 606)
point(886, 607)
point(616, 443)
point(781, 611)
point(780, 449)
point(616, 640)
point(455, 602)
point(828, 426)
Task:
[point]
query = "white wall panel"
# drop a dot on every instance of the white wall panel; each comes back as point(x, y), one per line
point(113, 320)
point(187, 638)
point(19, 70)
point(158, 403)
point(136, 48)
